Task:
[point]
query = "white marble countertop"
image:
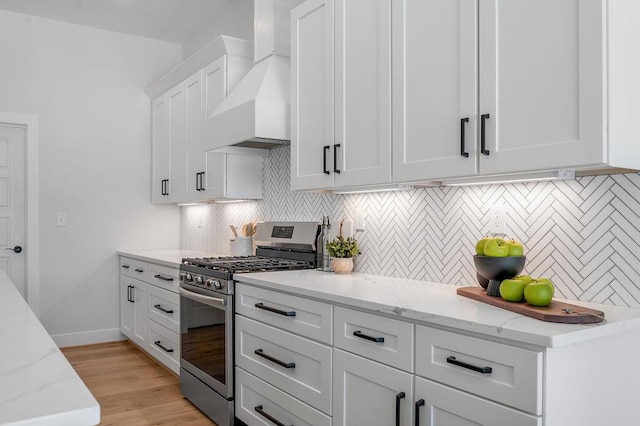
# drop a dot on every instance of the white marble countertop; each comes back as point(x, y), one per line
point(38, 386)
point(171, 258)
point(438, 304)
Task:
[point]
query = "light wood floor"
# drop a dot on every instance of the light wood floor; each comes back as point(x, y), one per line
point(131, 388)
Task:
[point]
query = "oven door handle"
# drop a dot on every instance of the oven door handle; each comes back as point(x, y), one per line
point(207, 300)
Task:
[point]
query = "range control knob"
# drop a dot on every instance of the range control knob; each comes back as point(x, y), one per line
point(218, 285)
point(208, 283)
point(188, 277)
point(199, 280)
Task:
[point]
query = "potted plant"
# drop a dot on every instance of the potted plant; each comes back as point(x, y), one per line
point(343, 250)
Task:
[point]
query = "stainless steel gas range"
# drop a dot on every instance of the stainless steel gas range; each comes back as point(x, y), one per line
point(207, 309)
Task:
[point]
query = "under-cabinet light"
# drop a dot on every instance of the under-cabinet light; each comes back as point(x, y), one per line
point(377, 188)
point(515, 178)
point(188, 204)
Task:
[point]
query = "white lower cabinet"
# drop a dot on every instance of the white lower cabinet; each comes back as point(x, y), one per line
point(259, 403)
point(133, 310)
point(150, 309)
point(369, 393)
point(439, 405)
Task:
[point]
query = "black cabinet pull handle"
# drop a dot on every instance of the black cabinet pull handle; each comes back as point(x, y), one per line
point(483, 146)
point(463, 122)
point(158, 344)
point(483, 370)
point(131, 294)
point(163, 277)
point(260, 411)
point(163, 187)
point(324, 159)
point(126, 266)
point(335, 158)
point(359, 334)
point(202, 188)
point(128, 293)
point(275, 360)
point(139, 270)
point(274, 310)
point(419, 403)
point(197, 181)
point(160, 308)
point(399, 396)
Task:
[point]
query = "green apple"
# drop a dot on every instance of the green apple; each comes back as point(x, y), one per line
point(512, 290)
point(538, 294)
point(515, 248)
point(496, 247)
point(548, 282)
point(480, 246)
point(524, 278)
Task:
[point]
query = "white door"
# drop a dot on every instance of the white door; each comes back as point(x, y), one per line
point(362, 146)
point(541, 84)
point(312, 97)
point(434, 89)
point(12, 204)
point(369, 393)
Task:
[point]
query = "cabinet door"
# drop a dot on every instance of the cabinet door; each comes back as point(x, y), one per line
point(439, 405)
point(362, 145)
point(177, 107)
point(140, 331)
point(542, 84)
point(161, 149)
point(434, 89)
point(215, 172)
point(195, 154)
point(312, 117)
point(126, 307)
point(215, 85)
point(368, 393)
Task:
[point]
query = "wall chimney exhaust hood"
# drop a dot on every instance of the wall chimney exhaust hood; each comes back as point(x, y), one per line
point(256, 114)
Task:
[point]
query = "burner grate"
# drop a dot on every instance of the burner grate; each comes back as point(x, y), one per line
point(240, 264)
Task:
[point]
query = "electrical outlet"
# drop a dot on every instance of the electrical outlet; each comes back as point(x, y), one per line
point(358, 222)
point(497, 219)
point(61, 219)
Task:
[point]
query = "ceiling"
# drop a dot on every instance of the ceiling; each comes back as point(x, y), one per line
point(175, 21)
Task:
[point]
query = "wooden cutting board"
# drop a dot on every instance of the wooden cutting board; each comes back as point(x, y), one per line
point(552, 313)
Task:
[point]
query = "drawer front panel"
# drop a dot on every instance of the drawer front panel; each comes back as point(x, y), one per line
point(379, 338)
point(305, 317)
point(164, 277)
point(133, 268)
point(164, 345)
point(446, 406)
point(306, 373)
point(257, 400)
point(164, 308)
point(513, 376)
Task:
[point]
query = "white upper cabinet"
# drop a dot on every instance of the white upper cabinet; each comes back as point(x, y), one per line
point(435, 89)
point(541, 84)
point(341, 93)
point(161, 150)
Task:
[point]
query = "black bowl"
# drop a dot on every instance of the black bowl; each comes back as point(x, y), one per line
point(482, 280)
point(499, 268)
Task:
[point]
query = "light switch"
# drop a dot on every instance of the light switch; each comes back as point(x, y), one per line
point(61, 219)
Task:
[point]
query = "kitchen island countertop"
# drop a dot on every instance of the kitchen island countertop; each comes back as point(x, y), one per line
point(438, 304)
point(38, 386)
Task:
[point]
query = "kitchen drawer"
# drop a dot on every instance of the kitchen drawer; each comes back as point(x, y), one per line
point(256, 399)
point(446, 406)
point(133, 268)
point(516, 374)
point(305, 317)
point(164, 308)
point(164, 277)
point(164, 345)
point(308, 371)
point(379, 338)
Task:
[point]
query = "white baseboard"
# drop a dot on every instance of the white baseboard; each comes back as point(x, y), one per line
point(88, 337)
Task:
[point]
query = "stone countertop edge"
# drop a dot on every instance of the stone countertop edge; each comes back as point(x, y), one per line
point(171, 258)
point(438, 304)
point(37, 384)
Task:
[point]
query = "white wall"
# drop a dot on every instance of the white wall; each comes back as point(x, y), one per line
point(235, 20)
point(87, 86)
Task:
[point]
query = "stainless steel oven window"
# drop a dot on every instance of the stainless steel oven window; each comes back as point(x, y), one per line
point(206, 339)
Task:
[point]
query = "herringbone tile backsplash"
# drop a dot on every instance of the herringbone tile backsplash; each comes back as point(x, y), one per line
point(584, 234)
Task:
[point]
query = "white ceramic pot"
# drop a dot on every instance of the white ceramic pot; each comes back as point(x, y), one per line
point(342, 265)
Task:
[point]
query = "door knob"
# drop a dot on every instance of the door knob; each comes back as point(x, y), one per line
point(16, 249)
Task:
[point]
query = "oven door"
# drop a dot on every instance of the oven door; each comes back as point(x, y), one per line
point(206, 338)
